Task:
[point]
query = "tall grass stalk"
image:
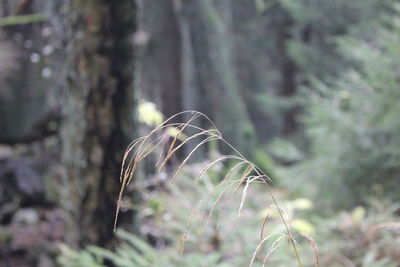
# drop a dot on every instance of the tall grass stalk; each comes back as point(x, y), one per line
point(153, 142)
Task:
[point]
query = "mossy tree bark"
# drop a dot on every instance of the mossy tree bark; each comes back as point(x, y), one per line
point(97, 114)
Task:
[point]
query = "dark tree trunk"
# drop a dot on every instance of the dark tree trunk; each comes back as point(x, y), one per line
point(97, 114)
point(207, 26)
point(253, 44)
point(288, 84)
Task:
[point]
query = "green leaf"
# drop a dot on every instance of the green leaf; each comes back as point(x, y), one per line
point(21, 19)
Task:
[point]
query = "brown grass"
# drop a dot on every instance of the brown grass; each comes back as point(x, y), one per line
point(142, 147)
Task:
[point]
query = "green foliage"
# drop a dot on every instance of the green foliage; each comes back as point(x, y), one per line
point(272, 106)
point(133, 252)
point(21, 19)
point(361, 237)
point(353, 125)
point(215, 234)
point(317, 26)
point(284, 151)
point(265, 162)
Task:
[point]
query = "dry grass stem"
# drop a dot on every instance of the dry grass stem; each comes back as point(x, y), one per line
point(263, 226)
point(273, 247)
point(312, 242)
point(156, 142)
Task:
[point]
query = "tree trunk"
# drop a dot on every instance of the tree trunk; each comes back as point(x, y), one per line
point(97, 123)
point(160, 58)
point(207, 27)
point(287, 67)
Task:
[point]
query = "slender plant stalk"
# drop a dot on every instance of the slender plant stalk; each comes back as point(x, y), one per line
point(142, 147)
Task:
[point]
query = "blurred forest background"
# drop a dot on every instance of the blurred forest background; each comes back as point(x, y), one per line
point(308, 90)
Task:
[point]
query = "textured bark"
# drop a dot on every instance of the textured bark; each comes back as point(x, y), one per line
point(97, 114)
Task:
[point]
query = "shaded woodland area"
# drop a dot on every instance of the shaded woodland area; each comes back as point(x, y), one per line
point(306, 92)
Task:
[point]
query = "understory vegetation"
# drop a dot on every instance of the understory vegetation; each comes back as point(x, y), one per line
point(338, 198)
point(243, 133)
